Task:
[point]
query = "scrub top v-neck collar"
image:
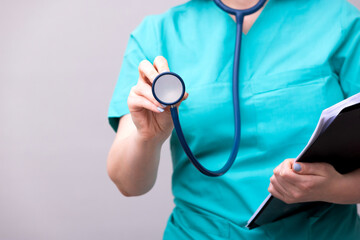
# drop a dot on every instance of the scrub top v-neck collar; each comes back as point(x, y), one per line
point(253, 41)
point(257, 22)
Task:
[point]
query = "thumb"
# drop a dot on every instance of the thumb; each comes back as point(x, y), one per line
point(310, 168)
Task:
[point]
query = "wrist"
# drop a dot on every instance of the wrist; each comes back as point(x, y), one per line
point(337, 189)
point(152, 141)
point(347, 189)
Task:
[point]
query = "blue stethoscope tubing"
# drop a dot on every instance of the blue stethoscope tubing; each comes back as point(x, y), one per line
point(239, 15)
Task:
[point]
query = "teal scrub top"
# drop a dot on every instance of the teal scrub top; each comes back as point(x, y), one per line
point(298, 58)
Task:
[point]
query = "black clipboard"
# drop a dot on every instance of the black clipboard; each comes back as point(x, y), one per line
point(336, 140)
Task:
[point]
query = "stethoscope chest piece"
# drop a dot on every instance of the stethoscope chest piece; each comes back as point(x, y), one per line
point(168, 88)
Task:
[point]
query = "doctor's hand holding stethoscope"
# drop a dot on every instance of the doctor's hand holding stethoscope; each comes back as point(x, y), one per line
point(149, 124)
point(143, 106)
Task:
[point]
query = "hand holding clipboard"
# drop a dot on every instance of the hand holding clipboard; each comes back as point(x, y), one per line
point(336, 140)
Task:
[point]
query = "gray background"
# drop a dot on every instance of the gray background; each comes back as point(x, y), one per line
point(59, 61)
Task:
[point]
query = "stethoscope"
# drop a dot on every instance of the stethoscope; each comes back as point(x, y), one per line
point(168, 88)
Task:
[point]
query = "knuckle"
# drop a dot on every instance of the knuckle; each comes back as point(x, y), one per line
point(307, 186)
point(130, 100)
point(310, 185)
point(302, 187)
point(143, 64)
point(296, 196)
point(159, 59)
point(134, 89)
point(270, 188)
point(272, 179)
point(291, 160)
point(286, 175)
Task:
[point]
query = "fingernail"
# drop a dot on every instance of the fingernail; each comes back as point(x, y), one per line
point(160, 109)
point(164, 106)
point(297, 167)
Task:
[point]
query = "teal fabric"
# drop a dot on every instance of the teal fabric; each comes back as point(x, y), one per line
point(298, 58)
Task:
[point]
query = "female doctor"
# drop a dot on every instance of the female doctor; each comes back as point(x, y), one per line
point(298, 57)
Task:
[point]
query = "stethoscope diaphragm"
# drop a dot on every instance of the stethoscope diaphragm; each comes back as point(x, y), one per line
point(168, 88)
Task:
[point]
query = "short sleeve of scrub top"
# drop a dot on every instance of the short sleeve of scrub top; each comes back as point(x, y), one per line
point(298, 58)
point(138, 48)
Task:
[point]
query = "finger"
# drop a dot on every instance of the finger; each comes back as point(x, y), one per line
point(285, 175)
point(278, 170)
point(284, 185)
point(161, 64)
point(186, 95)
point(147, 71)
point(275, 183)
point(294, 187)
point(288, 164)
point(287, 193)
point(318, 169)
point(284, 170)
point(275, 192)
point(144, 90)
point(138, 103)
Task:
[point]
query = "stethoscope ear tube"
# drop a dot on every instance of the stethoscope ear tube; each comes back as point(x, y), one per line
point(194, 161)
